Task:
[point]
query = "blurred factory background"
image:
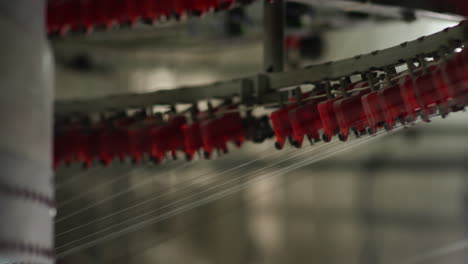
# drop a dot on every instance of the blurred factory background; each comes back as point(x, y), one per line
point(395, 198)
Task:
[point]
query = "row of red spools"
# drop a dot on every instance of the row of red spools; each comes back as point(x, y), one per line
point(148, 135)
point(85, 15)
point(431, 88)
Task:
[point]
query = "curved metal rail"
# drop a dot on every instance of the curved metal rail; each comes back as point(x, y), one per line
point(262, 88)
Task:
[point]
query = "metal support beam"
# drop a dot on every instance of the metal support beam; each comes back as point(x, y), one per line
point(273, 39)
point(264, 85)
point(378, 59)
point(181, 95)
point(388, 11)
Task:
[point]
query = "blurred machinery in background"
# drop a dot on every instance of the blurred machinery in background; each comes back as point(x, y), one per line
point(145, 86)
point(418, 79)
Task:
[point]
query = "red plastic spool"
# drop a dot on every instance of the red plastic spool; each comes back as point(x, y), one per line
point(373, 111)
point(305, 121)
point(64, 147)
point(176, 137)
point(328, 117)
point(197, 7)
point(73, 135)
point(72, 14)
point(167, 138)
point(163, 8)
point(179, 7)
point(123, 146)
point(118, 11)
point(73, 144)
point(393, 106)
point(461, 87)
point(350, 113)
point(442, 94)
point(223, 3)
point(213, 136)
point(55, 17)
point(159, 144)
point(105, 140)
point(86, 150)
point(103, 13)
point(427, 94)
point(282, 125)
point(135, 150)
point(234, 130)
point(88, 14)
point(149, 10)
point(409, 97)
point(193, 139)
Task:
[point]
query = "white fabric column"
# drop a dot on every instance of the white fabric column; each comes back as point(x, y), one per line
point(26, 95)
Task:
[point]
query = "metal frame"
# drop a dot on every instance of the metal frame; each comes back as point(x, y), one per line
point(262, 88)
point(387, 11)
point(375, 60)
point(273, 40)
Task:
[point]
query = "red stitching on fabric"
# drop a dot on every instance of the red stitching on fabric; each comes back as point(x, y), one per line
point(24, 248)
point(27, 195)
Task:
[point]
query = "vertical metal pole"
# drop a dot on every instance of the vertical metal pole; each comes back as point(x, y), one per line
point(26, 94)
point(273, 40)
